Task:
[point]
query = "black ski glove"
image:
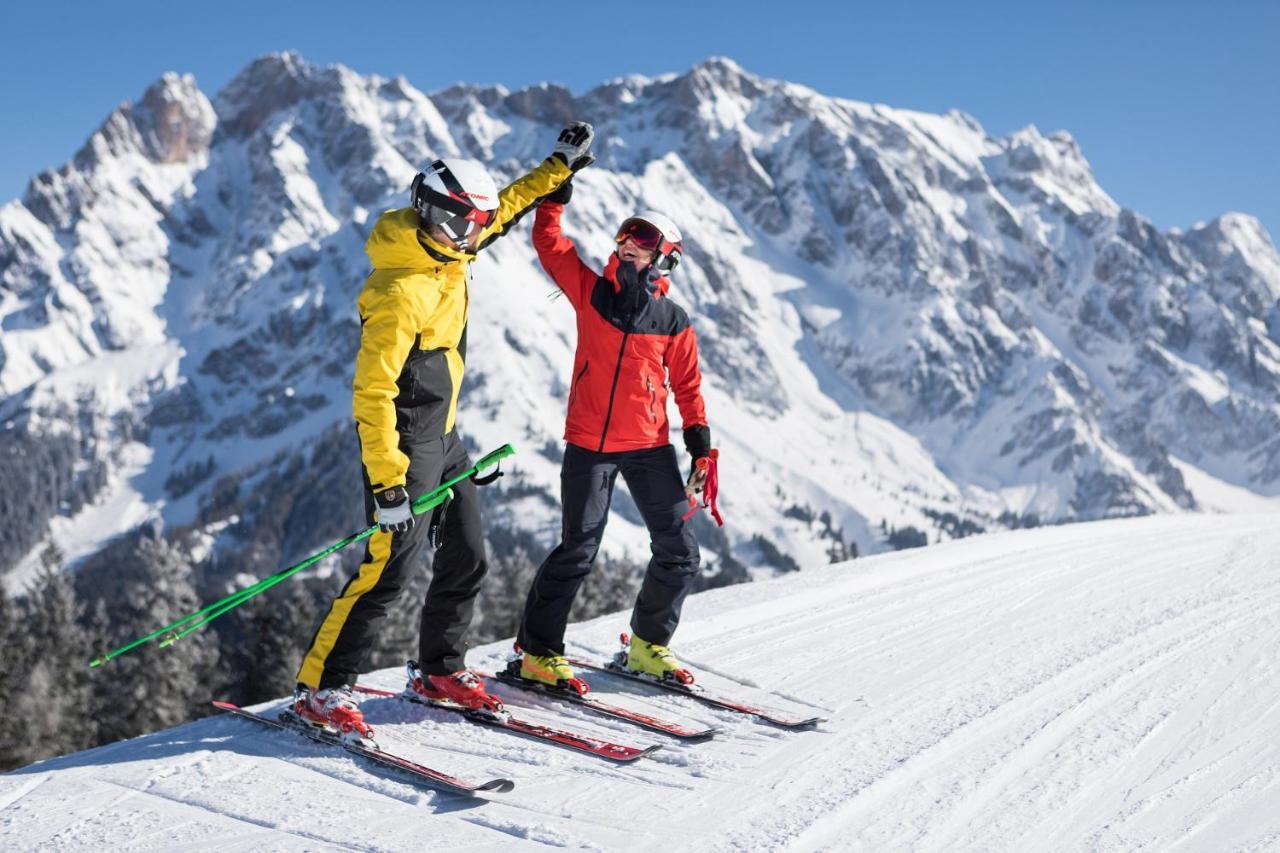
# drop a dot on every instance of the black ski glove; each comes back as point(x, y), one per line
point(395, 514)
point(562, 193)
point(697, 440)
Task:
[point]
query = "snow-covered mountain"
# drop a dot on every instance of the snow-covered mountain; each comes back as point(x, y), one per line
point(905, 322)
point(1101, 686)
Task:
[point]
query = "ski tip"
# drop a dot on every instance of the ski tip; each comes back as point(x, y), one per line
point(796, 724)
point(704, 734)
point(627, 754)
point(497, 786)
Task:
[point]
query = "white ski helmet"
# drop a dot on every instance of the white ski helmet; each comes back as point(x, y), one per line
point(456, 196)
point(653, 231)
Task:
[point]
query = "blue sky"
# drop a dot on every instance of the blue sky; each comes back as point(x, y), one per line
point(1176, 105)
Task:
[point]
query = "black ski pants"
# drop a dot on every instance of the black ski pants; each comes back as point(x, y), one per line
point(586, 483)
point(341, 644)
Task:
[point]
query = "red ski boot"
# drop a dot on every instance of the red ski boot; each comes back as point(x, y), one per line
point(333, 708)
point(463, 688)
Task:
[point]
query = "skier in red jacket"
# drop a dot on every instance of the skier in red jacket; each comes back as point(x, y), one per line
point(633, 343)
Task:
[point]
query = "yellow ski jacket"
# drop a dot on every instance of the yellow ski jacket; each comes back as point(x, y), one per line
point(413, 339)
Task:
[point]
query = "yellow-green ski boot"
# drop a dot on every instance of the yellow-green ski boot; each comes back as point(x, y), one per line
point(655, 660)
point(552, 670)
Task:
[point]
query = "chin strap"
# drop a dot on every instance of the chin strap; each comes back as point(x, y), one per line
point(710, 488)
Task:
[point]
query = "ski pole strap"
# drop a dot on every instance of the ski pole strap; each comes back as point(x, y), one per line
point(486, 480)
point(710, 488)
point(435, 533)
point(493, 458)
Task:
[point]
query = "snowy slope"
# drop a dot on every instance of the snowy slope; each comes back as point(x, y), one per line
point(1107, 686)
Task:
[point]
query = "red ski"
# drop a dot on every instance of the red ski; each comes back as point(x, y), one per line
point(582, 743)
point(618, 667)
point(511, 676)
point(420, 773)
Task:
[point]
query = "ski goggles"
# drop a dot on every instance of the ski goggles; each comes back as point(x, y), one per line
point(458, 219)
point(643, 234)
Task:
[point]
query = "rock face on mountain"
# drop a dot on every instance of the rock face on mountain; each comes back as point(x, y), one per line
point(905, 322)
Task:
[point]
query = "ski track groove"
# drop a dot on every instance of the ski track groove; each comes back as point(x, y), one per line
point(261, 825)
point(536, 834)
point(164, 772)
point(20, 791)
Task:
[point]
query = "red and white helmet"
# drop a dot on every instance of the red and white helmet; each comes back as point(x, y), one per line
point(456, 196)
point(652, 231)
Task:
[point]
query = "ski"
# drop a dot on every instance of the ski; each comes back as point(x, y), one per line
point(694, 691)
point(424, 775)
point(583, 743)
point(511, 676)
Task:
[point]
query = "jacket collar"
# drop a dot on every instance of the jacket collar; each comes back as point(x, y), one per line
point(611, 274)
point(396, 242)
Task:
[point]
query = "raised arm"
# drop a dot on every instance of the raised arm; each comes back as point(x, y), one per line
point(519, 197)
point(559, 256)
point(570, 154)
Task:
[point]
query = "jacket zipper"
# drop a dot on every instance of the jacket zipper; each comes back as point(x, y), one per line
point(577, 381)
point(653, 398)
point(613, 390)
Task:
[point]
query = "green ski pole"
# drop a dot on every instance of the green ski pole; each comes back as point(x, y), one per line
point(175, 631)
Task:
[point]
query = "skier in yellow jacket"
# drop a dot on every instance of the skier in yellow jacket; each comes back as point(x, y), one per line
point(413, 339)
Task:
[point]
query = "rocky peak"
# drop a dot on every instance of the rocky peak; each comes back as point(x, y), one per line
point(714, 80)
point(545, 102)
point(725, 73)
point(1241, 253)
point(269, 84)
point(173, 123)
point(1057, 166)
point(966, 121)
point(1236, 234)
point(174, 119)
point(458, 97)
point(608, 97)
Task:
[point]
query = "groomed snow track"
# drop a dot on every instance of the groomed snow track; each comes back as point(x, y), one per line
point(1106, 686)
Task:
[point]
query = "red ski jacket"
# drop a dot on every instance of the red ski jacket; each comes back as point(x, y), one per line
point(628, 354)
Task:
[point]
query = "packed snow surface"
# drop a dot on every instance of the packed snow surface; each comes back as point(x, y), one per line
point(1103, 686)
